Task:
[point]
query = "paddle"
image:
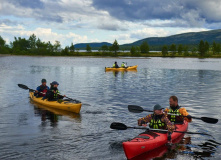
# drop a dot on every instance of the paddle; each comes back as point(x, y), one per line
point(32, 90)
point(139, 109)
point(121, 126)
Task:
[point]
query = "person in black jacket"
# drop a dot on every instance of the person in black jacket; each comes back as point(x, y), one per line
point(53, 94)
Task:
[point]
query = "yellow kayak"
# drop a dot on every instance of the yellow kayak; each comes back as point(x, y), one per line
point(58, 111)
point(66, 105)
point(121, 69)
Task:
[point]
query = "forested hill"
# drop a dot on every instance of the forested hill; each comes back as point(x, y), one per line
point(156, 43)
point(191, 38)
point(92, 45)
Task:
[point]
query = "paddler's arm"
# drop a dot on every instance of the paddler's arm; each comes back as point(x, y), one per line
point(144, 120)
point(183, 112)
point(169, 124)
point(166, 110)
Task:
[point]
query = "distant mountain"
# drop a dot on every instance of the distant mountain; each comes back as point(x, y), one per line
point(191, 38)
point(92, 45)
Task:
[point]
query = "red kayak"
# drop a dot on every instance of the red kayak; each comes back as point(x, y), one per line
point(150, 140)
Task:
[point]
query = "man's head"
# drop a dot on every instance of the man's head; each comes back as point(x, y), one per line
point(173, 101)
point(43, 81)
point(158, 109)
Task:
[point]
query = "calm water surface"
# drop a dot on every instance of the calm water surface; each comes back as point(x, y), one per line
point(29, 131)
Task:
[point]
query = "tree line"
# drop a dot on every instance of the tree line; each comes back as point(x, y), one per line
point(34, 46)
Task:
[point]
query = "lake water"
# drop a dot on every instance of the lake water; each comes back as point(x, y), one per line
point(28, 131)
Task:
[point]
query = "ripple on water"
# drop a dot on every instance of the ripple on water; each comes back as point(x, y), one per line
point(28, 132)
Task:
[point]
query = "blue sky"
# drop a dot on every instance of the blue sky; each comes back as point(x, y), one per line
point(83, 21)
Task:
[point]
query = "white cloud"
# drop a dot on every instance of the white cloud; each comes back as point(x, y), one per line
point(149, 32)
point(45, 34)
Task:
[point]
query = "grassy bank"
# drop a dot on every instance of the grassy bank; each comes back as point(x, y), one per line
point(121, 54)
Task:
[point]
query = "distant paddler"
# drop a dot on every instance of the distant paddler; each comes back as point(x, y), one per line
point(124, 65)
point(115, 65)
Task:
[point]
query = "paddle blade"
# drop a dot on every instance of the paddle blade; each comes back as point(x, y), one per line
point(118, 126)
point(23, 86)
point(209, 120)
point(31, 90)
point(135, 109)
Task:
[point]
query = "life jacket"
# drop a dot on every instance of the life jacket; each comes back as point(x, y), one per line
point(56, 93)
point(173, 118)
point(156, 122)
point(43, 90)
point(114, 65)
point(122, 65)
point(51, 96)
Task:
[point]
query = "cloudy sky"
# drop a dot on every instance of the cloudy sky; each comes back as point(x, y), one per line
point(82, 21)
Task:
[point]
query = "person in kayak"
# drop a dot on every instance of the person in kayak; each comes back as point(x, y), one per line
point(178, 110)
point(158, 120)
point(124, 65)
point(115, 65)
point(42, 89)
point(53, 94)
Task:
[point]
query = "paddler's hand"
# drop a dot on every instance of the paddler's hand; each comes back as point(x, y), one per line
point(64, 95)
point(140, 122)
point(144, 125)
point(36, 91)
point(189, 117)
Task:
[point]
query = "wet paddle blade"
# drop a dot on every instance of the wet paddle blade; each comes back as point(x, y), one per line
point(135, 109)
point(23, 86)
point(209, 120)
point(118, 126)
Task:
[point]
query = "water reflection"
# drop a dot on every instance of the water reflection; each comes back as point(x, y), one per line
point(121, 72)
point(40, 69)
point(53, 114)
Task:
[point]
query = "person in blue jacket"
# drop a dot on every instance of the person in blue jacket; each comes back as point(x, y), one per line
point(42, 89)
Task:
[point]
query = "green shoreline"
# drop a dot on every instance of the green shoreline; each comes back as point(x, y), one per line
point(120, 55)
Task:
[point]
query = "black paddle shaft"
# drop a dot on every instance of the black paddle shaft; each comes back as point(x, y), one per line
point(139, 109)
point(121, 126)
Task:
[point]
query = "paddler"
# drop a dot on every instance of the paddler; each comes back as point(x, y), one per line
point(53, 94)
point(178, 111)
point(115, 65)
point(158, 120)
point(124, 65)
point(42, 89)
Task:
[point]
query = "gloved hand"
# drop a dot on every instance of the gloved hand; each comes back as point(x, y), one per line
point(189, 117)
point(141, 122)
point(169, 136)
